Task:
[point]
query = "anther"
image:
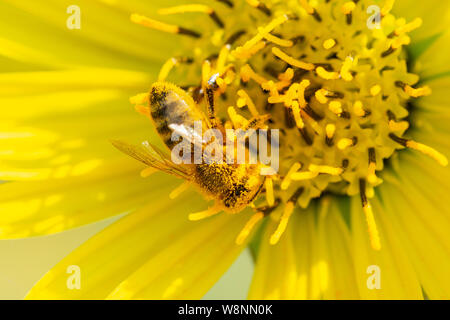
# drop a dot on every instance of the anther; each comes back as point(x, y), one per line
point(292, 61)
point(335, 107)
point(269, 191)
point(345, 143)
point(330, 130)
point(324, 74)
point(387, 7)
point(328, 44)
point(345, 70)
point(347, 9)
point(179, 190)
point(260, 6)
point(439, 157)
point(287, 179)
point(193, 8)
point(372, 226)
point(288, 210)
point(325, 169)
point(375, 90)
point(371, 177)
point(161, 26)
point(245, 232)
point(205, 214)
point(310, 10)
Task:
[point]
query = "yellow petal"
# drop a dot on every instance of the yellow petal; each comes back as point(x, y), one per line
point(61, 135)
point(418, 206)
point(38, 208)
point(155, 252)
point(311, 261)
point(106, 37)
point(384, 274)
point(434, 13)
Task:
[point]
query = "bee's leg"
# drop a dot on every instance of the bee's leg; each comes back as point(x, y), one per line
point(257, 122)
point(170, 64)
point(210, 89)
point(261, 213)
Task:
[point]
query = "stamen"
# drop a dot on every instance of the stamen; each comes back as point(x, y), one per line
point(358, 109)
point(237, 120)
point(417, 23)
point(387, 7)
point(344, 143)
point(321, 96)
point(375, 90)
point(179, 190)
point(278, 41)
point(166, 68)
point(324, 74)
point(222, 60)
point(288, 210)
point(347, 9)
point(371, 177)
point(260, 6)
point(328, 44)
point(335, 107)
point(419, 92)
point(372, 226)
point(325, 169)
point(245, 232)
point(310, 10)
point(401, 41)
point(287, 179)
point(398, 126)
point(301, 92)
point(330, 131)
point(193, 8)
point(298, 119)
point(245, 100)
point(300, 176)
point(243, 50)
point(439, 157)
point(147, 172)
point(247, 73)
point(345, 71)
point(291, 61)
point(269, 191)
point(161, 26)
point(205, 214)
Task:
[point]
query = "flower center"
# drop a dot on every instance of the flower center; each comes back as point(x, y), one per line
point(333, 81)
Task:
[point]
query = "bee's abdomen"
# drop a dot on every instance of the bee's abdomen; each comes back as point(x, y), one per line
point(171, 105)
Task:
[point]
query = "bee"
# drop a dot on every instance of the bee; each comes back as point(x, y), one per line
point(232, 186)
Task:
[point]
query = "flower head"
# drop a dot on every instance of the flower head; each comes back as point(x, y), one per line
point(348, 92)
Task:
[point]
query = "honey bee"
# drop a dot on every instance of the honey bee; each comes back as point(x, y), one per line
point(232, 186)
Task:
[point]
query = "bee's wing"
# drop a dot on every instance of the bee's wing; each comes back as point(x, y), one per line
point(151, 156)
point(193, 135)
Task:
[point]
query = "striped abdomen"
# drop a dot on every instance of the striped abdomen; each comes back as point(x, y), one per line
point(169, 106)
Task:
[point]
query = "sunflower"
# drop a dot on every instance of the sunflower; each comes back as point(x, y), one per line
point(358, 89)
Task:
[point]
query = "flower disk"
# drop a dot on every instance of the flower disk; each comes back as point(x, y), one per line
point(332, 78)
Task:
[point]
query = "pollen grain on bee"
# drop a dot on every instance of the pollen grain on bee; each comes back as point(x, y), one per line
point(234, 146)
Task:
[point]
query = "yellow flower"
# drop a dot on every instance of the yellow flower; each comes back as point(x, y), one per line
point(345, 92)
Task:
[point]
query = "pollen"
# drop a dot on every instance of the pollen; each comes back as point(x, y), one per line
point(338, 92)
